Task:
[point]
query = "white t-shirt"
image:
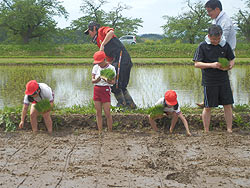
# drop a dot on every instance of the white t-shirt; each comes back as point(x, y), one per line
point(97, 72)
point(46, 93)
point(167, 109)
point(228, 28)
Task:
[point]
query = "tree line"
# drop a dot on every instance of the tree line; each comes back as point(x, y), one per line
point(32, 21)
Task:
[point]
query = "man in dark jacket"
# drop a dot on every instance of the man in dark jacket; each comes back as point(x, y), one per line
point(118, 56)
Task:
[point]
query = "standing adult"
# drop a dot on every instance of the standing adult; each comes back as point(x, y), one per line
point(214, 10)
point(35, 92)
point(118, 56)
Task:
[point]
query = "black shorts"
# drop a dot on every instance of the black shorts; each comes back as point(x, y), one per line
point(218, 95)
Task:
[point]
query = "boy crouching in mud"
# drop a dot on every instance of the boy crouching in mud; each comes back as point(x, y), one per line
point(102, 89)
point(171, 107)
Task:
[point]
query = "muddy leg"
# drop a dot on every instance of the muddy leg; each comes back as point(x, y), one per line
point(206, 116)
point(98, 107)
point(33, 118)
point(153, 123)
point(173, 122)
point(228, 116)
point(48, 121)
point(106, 107)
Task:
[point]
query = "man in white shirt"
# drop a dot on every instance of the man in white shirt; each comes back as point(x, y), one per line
point(214, 10)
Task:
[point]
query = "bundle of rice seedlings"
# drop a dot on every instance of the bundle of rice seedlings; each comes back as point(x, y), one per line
point(109, 74)
point(224, 62)
point(155, 111)
point(43, 106)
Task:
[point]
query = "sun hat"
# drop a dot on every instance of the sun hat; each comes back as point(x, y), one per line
point(171, 97)
point(31, 87)
point(99, 57)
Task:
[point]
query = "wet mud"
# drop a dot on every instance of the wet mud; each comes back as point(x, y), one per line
point(132, 156)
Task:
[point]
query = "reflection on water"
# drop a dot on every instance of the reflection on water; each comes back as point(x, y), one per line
point(72, 85)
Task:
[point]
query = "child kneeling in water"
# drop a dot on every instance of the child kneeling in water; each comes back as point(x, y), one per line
point(171, 107)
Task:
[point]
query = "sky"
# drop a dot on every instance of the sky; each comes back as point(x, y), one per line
point(151, 11)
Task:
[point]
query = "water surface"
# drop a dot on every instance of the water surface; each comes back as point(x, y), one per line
point(72, 84)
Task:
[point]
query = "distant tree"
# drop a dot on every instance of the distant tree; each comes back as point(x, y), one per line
point(93, 12)
point(30, 18)
point(191, 26)
point(242, 19)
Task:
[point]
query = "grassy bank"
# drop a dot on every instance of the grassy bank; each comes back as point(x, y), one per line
point(89, 61)
point(63, 117)
point(87, 51)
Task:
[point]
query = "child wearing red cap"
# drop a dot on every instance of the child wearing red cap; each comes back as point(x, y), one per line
point(34, 93)
point(102, 89)
point(171, 107)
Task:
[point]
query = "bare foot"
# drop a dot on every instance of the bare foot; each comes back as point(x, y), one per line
point(229, 130)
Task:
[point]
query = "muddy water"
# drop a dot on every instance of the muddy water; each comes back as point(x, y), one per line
point(72, 84)
point(136, 159)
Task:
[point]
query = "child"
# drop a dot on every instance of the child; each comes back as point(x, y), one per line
point(171, 107)
point(102, 89)
point(215, 79)
point(34, 93)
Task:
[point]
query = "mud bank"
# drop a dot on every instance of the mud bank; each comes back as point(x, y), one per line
point(132, 156)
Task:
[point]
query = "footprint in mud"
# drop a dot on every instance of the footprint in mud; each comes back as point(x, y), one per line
point(179, 177)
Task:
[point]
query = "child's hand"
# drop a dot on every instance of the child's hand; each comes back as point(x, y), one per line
point(21, 124)
point(189, 134)
point(104, 78)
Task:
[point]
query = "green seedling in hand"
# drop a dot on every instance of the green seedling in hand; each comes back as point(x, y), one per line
point(224, 62)
point(43, 106)
point(155, 111)
point(109, 74)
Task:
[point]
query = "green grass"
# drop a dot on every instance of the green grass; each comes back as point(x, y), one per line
point(10, 116)
point(89, 61)
point(139, 50)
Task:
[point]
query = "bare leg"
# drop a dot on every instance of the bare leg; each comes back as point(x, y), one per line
point(106, 107)
point(153, 123)
point(173, 122)
point(228, 117)
point(33, 118)
point(98, 107)
point(48, 121)
point(206, 116)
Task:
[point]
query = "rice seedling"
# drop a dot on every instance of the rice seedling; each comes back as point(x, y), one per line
point(155, 111)
point(224, 62)
point(109, 74)
point(43, 106)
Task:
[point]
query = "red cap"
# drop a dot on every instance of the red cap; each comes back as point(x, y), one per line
point(31, 87)
point(171, 97)
point(99, 57)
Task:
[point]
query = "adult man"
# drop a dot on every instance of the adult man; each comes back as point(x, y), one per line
point(34, 93)
point(118, 56)
point(214, 10)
